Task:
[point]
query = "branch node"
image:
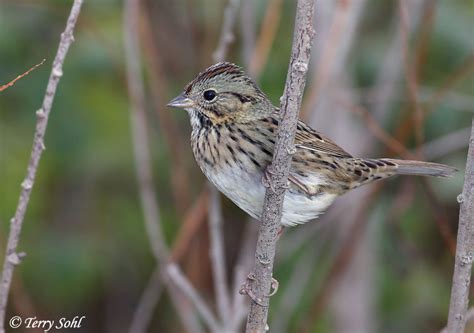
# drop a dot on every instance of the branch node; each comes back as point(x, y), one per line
point(275, 284)
point(300, 66)
point(246, 289)
point(27, 184)
point(466, 260)
point(460, 198)
point(57, 72)
point(266, 179)
point(264, 261)
point(40, 114)
point(15, 258)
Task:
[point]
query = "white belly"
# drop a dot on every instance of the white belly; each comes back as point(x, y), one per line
point(249, 194)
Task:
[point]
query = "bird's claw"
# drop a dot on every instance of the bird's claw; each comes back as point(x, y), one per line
point(246, 289)
point(266, 181)
point(274, 287)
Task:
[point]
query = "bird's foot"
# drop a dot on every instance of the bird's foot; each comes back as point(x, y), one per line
point(266, 178)
point(246, 289)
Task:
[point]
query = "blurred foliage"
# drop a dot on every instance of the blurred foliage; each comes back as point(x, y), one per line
point(87, 251)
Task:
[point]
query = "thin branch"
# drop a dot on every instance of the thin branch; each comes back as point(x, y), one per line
point(174, 277)
point(147, 304)
point(13, 258)
point(280, 166)
point(141, 148)
point(464, 248)
point(12, 82)
point(410, 74)
point(139, 129)
point(243, 265)
point(218, 257)
point(227, 36)
point(192, 222)
point(179, 280)
point(168, 125)
point(217, 250)
point(248, 29)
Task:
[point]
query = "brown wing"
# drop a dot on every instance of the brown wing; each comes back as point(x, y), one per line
point(310, 139)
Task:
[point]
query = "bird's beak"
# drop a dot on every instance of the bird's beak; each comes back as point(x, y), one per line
point(181, 101)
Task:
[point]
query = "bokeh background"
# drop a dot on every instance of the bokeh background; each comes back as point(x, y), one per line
point(387, 78)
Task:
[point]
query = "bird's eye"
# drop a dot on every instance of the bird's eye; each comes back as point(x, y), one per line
point(209, 95)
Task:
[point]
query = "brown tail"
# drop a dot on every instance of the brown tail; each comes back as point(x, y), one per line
point(364, 171)
point(419, 168)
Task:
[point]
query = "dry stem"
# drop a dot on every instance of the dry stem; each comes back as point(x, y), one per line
point(13, 258)
point(464, 248)
point(280, 166)
point(12, 82)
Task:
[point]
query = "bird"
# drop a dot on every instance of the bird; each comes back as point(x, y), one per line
point(234, 129)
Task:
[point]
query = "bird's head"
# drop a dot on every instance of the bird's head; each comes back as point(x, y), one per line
point(223, 93)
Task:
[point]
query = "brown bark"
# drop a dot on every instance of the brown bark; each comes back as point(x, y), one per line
point(280, 167)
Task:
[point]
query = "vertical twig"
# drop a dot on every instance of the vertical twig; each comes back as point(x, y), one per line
point(280, 166)
point(173, 277)
point(221, 287)
point(185, 287)
point(218, 257)
point(168, 126)
point(146, 306)
point(141, 149)
point(410, 74)
point(248, 28)
point(13, 258)
point(227, 36)
point(464, 248)
point(141, 145)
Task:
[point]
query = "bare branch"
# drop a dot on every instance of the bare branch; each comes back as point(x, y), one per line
point(248, 29)
point(280, 166)
point(410, 74)
point(243, 265)
point(12, 82)
point(141, 148)
point(464, 248)
point(221, 288)
point(141, 145)
point(174, 277)
point(13, 258)
point(227, 36)
point(146, 306)
point(218, 257)
point(179, 280)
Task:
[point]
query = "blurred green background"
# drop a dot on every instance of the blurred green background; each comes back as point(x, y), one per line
point(87, 249)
